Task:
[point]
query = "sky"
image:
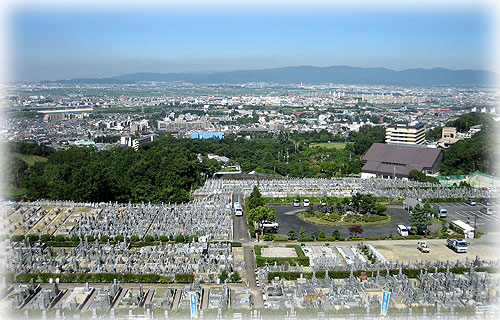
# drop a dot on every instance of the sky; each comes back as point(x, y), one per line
point(58, 42)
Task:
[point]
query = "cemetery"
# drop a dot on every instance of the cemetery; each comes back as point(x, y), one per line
point(144, 260)
point(340, 187)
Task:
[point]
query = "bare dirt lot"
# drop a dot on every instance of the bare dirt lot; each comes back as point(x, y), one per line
point(485, 247)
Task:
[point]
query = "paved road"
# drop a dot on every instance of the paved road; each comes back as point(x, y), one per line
point(288, 219)
point(240, 225)
point(250, 271)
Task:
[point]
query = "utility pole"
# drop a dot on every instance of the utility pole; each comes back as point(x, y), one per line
point(475, 224)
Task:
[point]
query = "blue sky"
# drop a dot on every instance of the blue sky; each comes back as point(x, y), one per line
point(68, 43)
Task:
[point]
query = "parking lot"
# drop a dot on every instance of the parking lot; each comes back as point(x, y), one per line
point(288, 219)
point(461, 211)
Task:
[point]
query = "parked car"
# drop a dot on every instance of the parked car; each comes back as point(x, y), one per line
point(296, 203)
point(442, 212)
point(486, 210)
point(402, 230)
point(486, 201)
point(306, 202)
point(422, 246)
point(471, 202)
point(269, 224)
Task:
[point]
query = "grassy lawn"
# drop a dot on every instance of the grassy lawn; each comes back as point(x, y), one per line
point(329, 145)
point(30, 159)
point(317, 220)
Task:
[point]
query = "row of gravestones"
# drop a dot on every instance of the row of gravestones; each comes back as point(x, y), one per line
point(168, 260)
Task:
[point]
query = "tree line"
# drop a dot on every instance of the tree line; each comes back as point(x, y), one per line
point(169, 168)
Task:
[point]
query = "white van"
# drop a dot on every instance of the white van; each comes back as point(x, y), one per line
point(402, 231)
point(238, 212)
point(443, 213)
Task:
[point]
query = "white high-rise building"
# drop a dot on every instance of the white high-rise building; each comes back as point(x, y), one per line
point(406, 133)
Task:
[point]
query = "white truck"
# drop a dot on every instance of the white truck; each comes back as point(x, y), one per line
point(457, 245)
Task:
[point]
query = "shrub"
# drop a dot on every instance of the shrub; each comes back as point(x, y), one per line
point(305, 239)
point(282, 239)
point(236, 244)
point(148, 239)
point(184, 278)
point(45, 237)
point(17, 238)
point(223, 276)
point(163, 238)
point(235, 277)
point(179, 238)
point(119, 238)
point(60, 238)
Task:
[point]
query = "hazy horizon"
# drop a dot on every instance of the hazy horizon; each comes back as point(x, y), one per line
point(66, 43)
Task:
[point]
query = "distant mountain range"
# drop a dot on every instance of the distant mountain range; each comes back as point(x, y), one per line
point(312, 75)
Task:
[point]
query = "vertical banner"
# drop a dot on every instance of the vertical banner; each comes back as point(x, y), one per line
point(194, 310)
point(385, 303)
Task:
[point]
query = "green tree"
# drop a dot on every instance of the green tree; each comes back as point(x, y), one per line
point(261, 213)
point(292, 235)
point(302, 233)
point(322, 234)
point(223, 276)
point(235, 277)
point(419, 217)
point(336, 234)
point(416, 175)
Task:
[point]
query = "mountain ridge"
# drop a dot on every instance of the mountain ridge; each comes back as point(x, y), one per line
point(339, 74)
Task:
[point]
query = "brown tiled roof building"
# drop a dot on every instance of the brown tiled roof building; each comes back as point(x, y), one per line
point(392, 160)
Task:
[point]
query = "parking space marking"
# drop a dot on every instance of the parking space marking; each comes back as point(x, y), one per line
point(480, 215)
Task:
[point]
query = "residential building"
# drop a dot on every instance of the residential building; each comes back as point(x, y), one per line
point(407, 133)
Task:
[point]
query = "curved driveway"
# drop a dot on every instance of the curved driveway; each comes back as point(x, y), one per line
point(288, 219)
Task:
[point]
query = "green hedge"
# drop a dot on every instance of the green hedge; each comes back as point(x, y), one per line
point(301, 258)
point(93, 277)
point(184, 278)
point(341, 274)
point(306, 239)
point(437, 200)
point(236, 244)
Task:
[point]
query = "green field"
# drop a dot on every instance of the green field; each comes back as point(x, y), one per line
point(31, 159)
point(329, 145)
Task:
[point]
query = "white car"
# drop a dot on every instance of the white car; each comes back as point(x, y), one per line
point(269, 224)
point(306, 202)
point(296, 203)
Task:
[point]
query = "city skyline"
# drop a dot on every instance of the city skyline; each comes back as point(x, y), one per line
point(64, 43)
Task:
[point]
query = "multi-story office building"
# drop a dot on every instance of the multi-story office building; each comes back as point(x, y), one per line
point(406, 133)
